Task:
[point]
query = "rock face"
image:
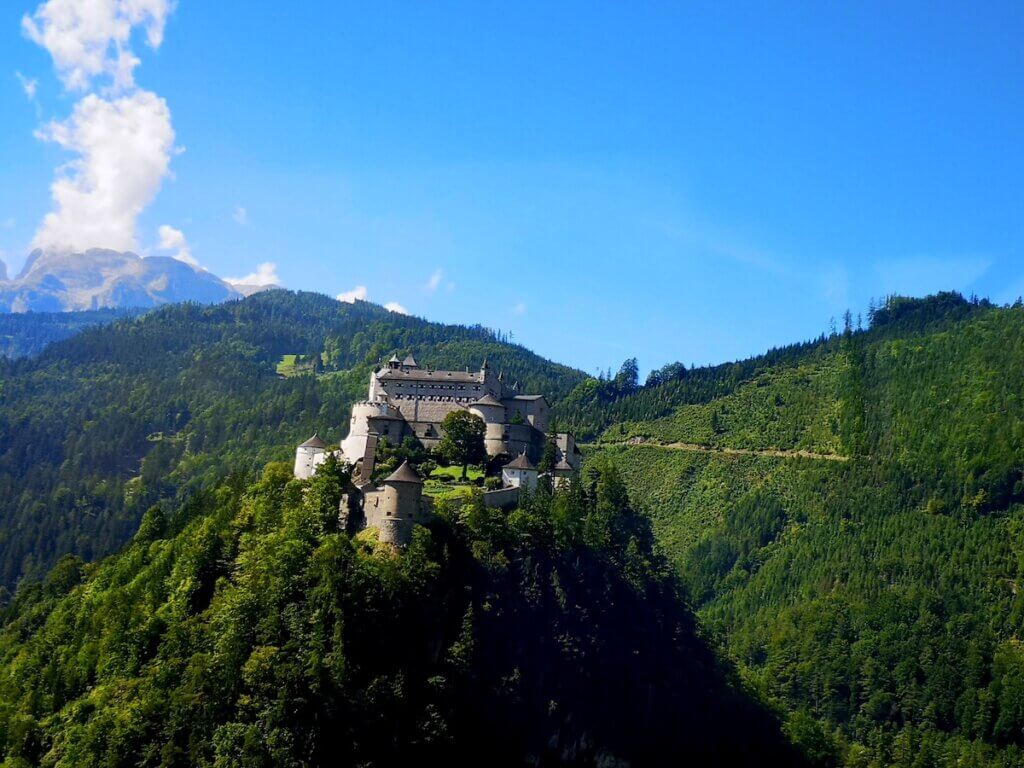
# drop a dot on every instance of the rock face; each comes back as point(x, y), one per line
point(97, 279)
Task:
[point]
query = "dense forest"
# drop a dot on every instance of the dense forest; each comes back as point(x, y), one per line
point(845, 515)
point(95, 429)
point(242, 628)
point(849, 522)
point(30, 333)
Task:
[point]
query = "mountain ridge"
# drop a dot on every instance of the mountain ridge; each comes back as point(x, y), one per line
point(52, 281)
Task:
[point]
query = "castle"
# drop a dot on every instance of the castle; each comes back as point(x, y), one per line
point(407, 400)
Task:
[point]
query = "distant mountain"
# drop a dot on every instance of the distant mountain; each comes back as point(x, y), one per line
point(103, 279)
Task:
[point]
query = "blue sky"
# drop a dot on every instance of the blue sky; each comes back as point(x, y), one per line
point(679, 181)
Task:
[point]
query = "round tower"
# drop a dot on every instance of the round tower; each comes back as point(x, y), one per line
point(400, 507)
point(353, 447)
point(308, 456)
point(492, 411)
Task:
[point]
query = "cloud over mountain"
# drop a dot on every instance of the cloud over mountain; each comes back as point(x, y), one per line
point(120, 135)
point(56, 282)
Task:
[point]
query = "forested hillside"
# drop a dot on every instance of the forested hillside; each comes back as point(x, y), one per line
point(97, 428)
point(846, 516)
point(243, 628)
point(877, 595)
point(29, 333)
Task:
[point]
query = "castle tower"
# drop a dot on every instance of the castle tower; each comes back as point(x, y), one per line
point(520, 473)
point(399, 509)
point(492, 411)
point(308, 455)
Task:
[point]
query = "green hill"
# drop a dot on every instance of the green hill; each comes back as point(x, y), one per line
point(878, 595)
point(27, 334)
point(243, 629)
point(98, 427)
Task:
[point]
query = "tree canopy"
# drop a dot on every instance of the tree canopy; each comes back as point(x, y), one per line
point(462, 442)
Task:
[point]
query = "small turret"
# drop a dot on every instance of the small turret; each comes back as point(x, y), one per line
point(308, 456)
point(520, 473)
point(399, 507)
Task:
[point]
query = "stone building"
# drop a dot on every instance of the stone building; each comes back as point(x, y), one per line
point(520, 473)
point(393, 508)
point(407, 400)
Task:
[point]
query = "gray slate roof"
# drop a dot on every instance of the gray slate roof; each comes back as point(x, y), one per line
point(520, 462)
point(435, 377)
point(488, 399)
point(404, 474)
point(314, 442)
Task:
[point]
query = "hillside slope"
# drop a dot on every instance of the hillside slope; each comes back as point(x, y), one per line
point(28, 334)
point(244, 629)
point(98, 427)
point(879, 595)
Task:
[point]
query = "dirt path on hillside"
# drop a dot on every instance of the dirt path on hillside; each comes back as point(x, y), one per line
point(778, 453)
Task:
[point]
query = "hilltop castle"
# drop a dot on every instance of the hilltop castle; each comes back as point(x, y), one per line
point(407, 400)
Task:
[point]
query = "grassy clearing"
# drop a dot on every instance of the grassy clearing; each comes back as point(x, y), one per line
point(446, 482)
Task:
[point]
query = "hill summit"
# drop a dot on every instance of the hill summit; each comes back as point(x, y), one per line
point(53, 281)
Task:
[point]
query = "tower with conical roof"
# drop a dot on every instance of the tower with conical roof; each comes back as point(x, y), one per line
point(308, 456)
point(520, 473)
point(396, 507)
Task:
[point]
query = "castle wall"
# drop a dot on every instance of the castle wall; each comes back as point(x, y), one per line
point(307, 460)
point(523, 437)
point(366, 418)
point(520, 478)
point(502, 499)
point(393, 510)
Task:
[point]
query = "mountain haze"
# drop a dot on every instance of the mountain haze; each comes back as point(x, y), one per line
point(104, 279)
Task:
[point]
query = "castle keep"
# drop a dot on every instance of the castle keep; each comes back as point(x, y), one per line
point(406, 400)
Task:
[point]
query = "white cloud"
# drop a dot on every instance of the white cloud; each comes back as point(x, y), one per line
point(124, 150)
point(241, 216)
point(121, 136)
point(520, 308)
point(358, 293)
point(394, 306)
point(265, 274)
point(434, 281)
point(92, 38)
point(9, 223)
point(172, 239)
point(28, 84)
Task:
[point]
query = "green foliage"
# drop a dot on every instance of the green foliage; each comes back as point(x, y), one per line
point(463, 441)
point(878, 600)
point(260, 635)
point(791, 408)
point(97, 429)
point(27, 334)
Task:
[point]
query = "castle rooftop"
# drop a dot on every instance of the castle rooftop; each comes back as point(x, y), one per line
point(404, 474)
point(488, 399)
point(420, 374)
point(520, 462)
point(314, 442)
